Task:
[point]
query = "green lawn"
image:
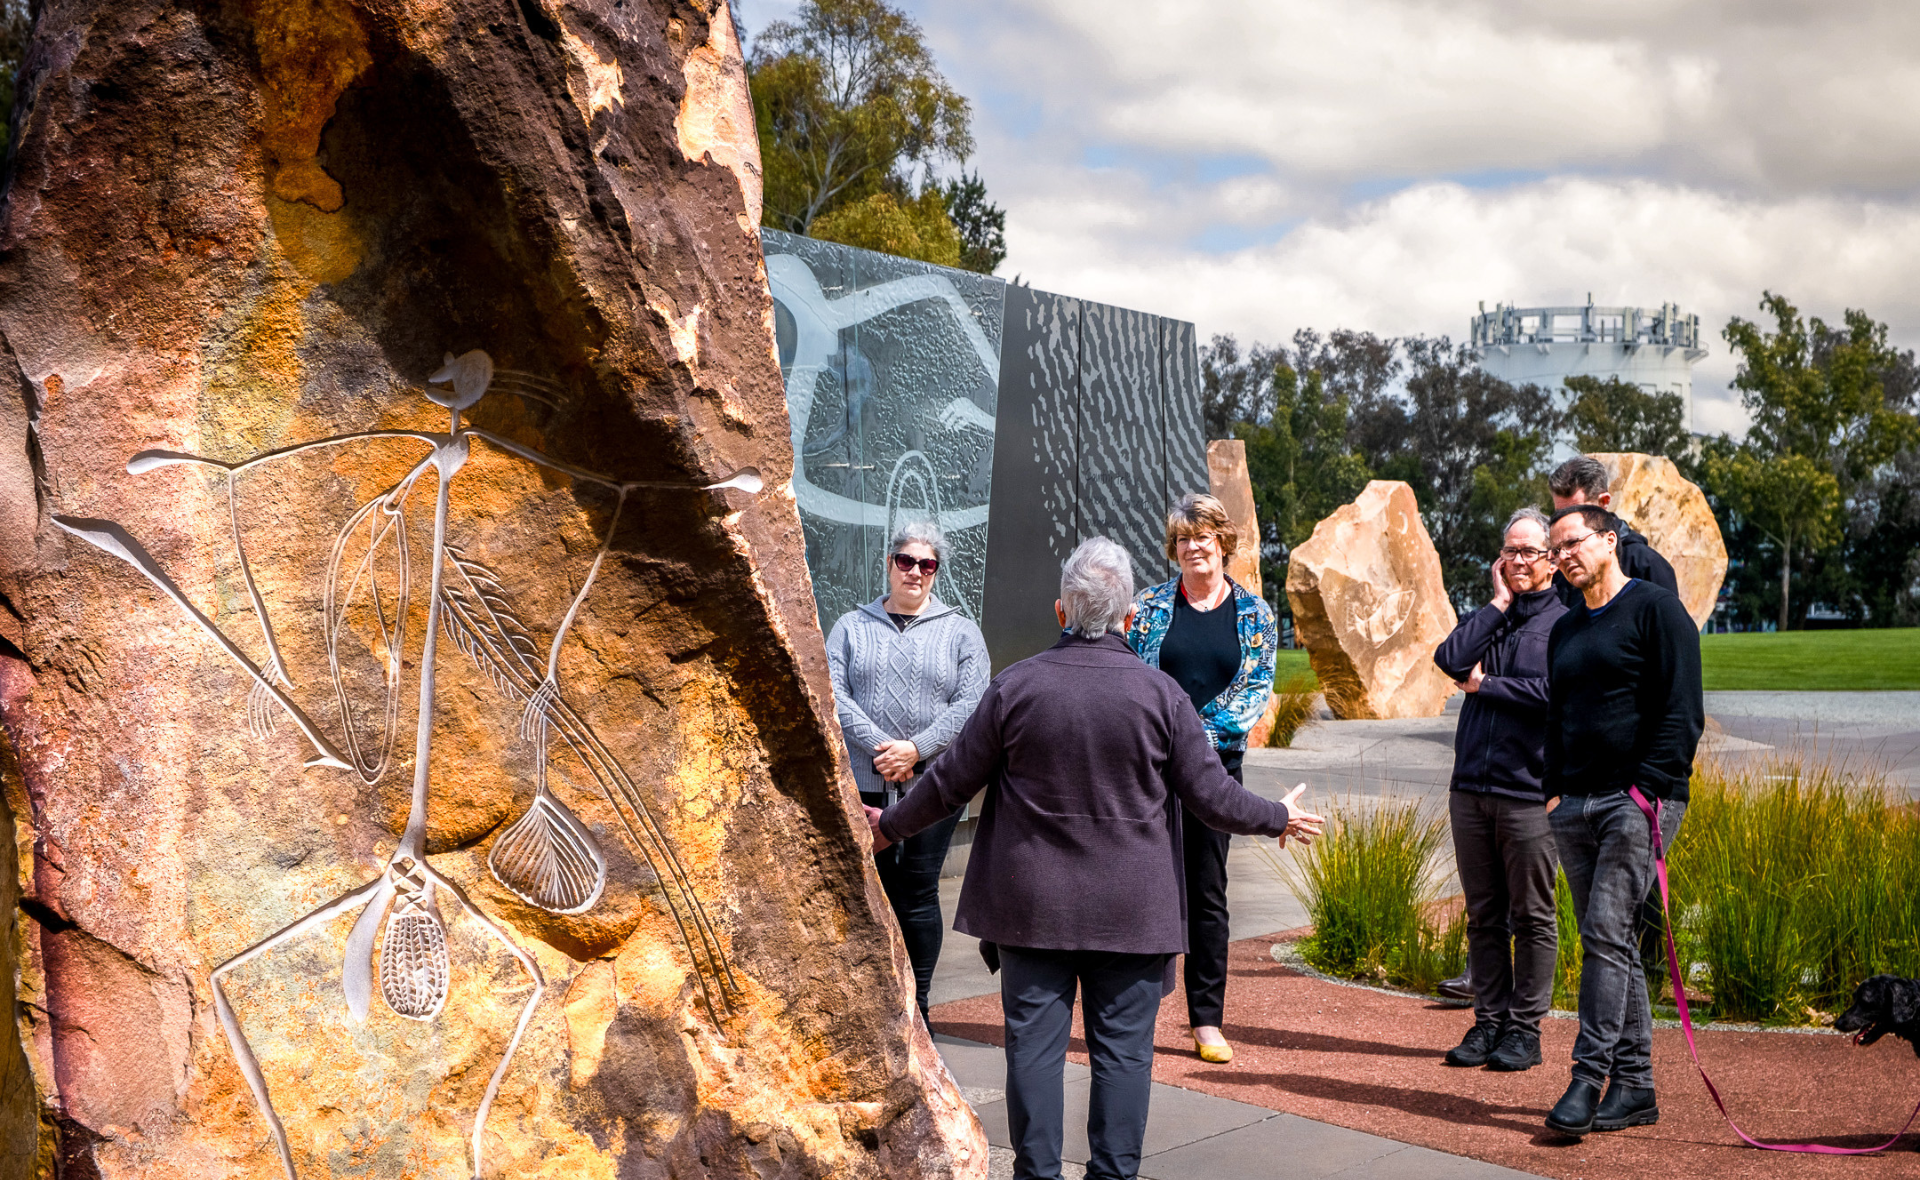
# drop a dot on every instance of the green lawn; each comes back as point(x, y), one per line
point(1879, 658)
point(1290, 663)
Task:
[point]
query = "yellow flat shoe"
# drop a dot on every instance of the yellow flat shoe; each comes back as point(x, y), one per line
point(1216, 1054)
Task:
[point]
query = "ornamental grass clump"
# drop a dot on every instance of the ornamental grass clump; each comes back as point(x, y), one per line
point(1795, 880)
point(1367, 883)
point(1292, 709)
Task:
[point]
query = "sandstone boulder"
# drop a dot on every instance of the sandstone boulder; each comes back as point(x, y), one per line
point(485, 752)
point(1229, 483)
point(1650, 494)
point(1369, 606)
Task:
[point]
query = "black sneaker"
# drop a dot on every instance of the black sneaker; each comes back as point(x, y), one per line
point(1573, 1114)
point(1518, 1050)
point(1626, 1106)
point(1474, 1047)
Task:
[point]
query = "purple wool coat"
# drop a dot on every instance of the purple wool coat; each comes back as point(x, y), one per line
point(1083, 750)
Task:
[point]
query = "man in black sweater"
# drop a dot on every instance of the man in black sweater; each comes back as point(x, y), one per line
point(1624, 709)
point(1581, 480)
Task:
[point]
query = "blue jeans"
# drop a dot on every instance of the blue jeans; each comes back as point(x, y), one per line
point(1606, 848)
point(1122, 994)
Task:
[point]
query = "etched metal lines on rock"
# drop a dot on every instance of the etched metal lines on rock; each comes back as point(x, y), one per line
point(547, 857)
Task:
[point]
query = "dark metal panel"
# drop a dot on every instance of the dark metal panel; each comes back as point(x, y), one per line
point(1034, 472)
point(1186, 427)
point(1122, 477)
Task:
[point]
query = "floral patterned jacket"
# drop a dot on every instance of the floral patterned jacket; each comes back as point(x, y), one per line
point(1230, 716)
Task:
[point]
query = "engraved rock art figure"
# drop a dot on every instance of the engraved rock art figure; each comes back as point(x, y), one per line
point(547, 857)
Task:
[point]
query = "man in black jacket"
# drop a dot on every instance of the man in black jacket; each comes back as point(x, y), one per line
point(1501, 842)
point(1624, 709)
point(1075, 876)
point(1581, 480)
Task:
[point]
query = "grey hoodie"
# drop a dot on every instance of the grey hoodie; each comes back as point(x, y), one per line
point(920, 684)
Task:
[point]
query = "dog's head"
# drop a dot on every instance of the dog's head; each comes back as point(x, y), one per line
point(1881, 1005)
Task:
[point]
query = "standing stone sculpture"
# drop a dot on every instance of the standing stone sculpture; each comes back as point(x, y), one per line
point(264, 526)
point(1370, 606)
point(1649, 493)
point(1227, 480)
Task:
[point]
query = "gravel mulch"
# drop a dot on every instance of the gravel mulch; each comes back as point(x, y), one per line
point(1371, 1060)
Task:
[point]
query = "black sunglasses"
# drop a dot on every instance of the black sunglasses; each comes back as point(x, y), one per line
point(905, 564)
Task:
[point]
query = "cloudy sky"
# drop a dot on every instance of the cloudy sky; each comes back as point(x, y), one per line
point(1258, 166)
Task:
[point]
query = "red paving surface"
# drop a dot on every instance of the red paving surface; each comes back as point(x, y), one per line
point(1369, 1061)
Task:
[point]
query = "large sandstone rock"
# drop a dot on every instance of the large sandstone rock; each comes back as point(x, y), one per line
point(1650, 494)
point(1227, 479)
point(238, 226)
point(1369, 606)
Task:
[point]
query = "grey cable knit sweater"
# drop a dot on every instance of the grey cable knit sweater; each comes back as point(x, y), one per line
point(920, 684)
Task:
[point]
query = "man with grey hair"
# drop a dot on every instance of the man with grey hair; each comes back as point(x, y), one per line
point(1074, 881)
point(1501, 840)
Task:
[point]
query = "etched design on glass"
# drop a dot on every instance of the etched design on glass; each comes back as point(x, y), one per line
point(1122, 474)
point(549, 859)
point(1186, 431)
point(891, 370)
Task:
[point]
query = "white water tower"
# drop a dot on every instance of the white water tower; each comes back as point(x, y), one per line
point(1654, 349)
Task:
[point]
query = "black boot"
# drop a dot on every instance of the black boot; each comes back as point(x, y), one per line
point(1626, 1106)
point(1573, 1114)
point(1518, 1050)
point(1474, 1047)
point(1459, 989)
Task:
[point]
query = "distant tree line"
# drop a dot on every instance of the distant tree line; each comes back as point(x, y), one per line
point(854, 119)
point(1819, 503)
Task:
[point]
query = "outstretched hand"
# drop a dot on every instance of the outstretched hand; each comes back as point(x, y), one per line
point(1301, 825)
point(880, 841)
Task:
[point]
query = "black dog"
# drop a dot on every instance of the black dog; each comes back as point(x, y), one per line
point(1884, 1004)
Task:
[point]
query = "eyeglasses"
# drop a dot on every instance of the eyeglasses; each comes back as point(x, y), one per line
point(905, 564)
point(1559, 551)
point(1529, 554)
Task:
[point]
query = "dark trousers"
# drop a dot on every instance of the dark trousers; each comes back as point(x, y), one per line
point(910, 873)
point(1607, 850)
point(1205, 969)
point(1504, 849)
point(1122, 996)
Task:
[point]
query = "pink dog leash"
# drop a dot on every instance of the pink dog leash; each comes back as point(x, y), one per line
point(1652, 811)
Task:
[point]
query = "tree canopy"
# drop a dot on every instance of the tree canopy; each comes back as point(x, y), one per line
point(854, 117)
point(1616, 415)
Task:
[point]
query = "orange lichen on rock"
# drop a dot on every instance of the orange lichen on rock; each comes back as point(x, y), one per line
point(310, 51)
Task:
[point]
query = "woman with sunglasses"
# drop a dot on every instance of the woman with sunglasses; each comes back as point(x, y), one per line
point(908, 670)
point(1216, 639)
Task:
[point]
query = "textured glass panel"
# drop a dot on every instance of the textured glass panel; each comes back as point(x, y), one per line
point(891, 369)
point(1122, 473)
point(1186, 430)
point(1035, 523)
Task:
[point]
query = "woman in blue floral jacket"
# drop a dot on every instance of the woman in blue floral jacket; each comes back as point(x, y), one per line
point(1217, 640)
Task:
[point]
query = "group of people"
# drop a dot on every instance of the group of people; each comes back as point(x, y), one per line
point(1583, 680)
point(1114, 759)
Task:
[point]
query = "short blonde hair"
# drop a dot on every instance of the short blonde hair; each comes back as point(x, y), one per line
point(1198, 513)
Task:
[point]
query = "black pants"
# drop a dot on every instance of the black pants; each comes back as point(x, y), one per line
point(1122, 996)
point(1505, 852)
point(1205, 969)
point(910, 873)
